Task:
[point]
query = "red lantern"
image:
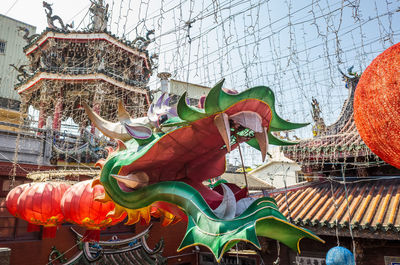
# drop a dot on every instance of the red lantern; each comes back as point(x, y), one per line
point(377, 106)
point(39, 204)
point(12, 199)
point(11, 204)
point(79, 207)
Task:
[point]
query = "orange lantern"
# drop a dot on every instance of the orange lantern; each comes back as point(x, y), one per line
point(79, 206)
point(377, 106)
point(39, 204)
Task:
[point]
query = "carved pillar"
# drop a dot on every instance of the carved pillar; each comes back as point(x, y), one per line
point(42, 108)
point(97, 99)
point(42, 116)
point(58, 111)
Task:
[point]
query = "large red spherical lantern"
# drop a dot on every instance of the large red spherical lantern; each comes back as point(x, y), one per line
point(39, 204)
point(12, 199)
point(79, 206)
point(377, 106)
point(11, 204)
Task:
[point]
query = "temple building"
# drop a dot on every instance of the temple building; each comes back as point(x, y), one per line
point(68, 67)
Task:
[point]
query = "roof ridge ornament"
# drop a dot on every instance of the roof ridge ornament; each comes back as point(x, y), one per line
point(51, 18)
point(98, 16)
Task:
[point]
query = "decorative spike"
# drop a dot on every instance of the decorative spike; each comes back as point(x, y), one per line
point(145, 215)
point(121, 145)
point(279, 124)
point(151, 115)
point(221, 121)
point(160, 101)
point(109, 129)
point(133, 217)
point(109, 150)
point(186, 112)
point(123, 115)
point(167, 101)
point(275, 141)
point(100, 163)
point(96, 181)
point(167, 220)
point(211, 104)
point(173, 112)
point(103, 198)
point(226, 210)
point(262, 139)
point(117, 212)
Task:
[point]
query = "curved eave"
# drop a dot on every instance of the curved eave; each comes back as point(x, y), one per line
point(82, 36)
point(29, 85)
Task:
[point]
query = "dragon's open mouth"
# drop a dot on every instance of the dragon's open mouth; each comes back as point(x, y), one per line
point(190, 146)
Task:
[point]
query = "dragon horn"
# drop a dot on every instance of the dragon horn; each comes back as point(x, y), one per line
point(123, 114)
point(109, 129)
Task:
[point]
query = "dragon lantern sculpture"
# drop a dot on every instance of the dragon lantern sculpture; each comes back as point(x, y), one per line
point(162, 159)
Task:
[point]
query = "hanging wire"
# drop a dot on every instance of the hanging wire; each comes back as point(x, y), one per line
point(348, 212)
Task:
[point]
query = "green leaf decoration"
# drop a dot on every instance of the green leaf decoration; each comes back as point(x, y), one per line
point(211, 105)
point(186, 112)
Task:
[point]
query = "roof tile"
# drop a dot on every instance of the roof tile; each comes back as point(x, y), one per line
point(373, 204)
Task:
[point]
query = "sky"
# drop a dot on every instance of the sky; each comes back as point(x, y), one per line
point(294, 47)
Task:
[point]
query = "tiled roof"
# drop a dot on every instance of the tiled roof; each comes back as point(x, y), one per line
point(339, 140)
point(133, 251)
point(347, 143)
point(374, 204)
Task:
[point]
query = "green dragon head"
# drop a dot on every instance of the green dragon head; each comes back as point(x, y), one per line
point(162, 160)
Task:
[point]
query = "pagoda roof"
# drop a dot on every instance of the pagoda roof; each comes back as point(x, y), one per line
point(82, 35)
point(133, 250)
point(338, 140)
point(373, 204)
point(98, 75)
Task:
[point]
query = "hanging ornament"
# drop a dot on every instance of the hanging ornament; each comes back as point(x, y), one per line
point(377, 106)
point(39, 204)
point(79, 207)
point(339, 256)
point(12, 199)
point(11, 204)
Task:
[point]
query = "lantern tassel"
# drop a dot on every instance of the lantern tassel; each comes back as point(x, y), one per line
point(49, 232)
point(91, 236)
point(32, 228)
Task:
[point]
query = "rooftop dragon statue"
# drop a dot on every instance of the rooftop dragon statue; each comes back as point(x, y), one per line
point(51, 18)
point(162, 160)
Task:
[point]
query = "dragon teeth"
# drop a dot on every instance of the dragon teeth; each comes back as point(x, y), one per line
point(221, 121)
point(262, 139)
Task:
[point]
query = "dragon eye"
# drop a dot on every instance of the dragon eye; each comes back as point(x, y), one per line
point(162, 119)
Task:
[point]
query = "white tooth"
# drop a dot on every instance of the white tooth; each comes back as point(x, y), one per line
point(227, 209)
point(248, 119)
point(221, 121)
point(243, 204)
point(136, 180)
point(262, 139)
